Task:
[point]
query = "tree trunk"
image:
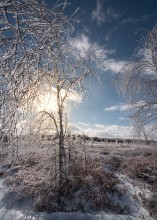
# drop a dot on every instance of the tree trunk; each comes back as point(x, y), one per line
point(62, 156)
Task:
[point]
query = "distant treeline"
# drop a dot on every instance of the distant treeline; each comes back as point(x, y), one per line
point(99, 139)
point(79, 137)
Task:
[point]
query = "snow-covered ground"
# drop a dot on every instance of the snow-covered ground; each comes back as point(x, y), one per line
point(131, 197)
point(137, 210)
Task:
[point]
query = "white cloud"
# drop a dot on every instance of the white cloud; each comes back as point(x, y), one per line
point(114, 65)
point(83, 44)
point(110, 33)
point(135, 20)
point(99, 126)
point(121, 107)
point(122, 118)
point(74, 128)
point(108, 131)
point(100, 15)
point(46, 99)
point(125, 107)
point(83, 124)
point(73, 96)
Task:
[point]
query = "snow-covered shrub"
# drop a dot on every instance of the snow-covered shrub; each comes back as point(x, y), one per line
point(87, 187)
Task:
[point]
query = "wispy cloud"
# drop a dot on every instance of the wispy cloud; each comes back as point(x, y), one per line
point(125, 107)
point(82, 124)
point(114, 65)
point(75, 128)
point(82, 43)
point(122, 118)
point(120, 107)
point(135, 20)
point(110, 33)
point(100, 15)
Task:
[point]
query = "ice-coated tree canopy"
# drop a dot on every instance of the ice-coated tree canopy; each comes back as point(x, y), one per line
point(137, 81)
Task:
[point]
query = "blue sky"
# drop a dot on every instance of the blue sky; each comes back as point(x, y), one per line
point(117, 24)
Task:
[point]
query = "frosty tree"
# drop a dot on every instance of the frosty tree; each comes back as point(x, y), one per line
point(138, 82)
point(39, 64)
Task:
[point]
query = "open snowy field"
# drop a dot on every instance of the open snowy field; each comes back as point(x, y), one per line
point(132, 197)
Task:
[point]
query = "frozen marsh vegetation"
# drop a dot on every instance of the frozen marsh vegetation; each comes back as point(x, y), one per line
point(31, 195)
point(26, 212)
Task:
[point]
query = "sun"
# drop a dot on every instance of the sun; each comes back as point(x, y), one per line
point(46, 102)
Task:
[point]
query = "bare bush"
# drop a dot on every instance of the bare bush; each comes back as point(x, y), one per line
point(83, 190)
point(143, 169)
